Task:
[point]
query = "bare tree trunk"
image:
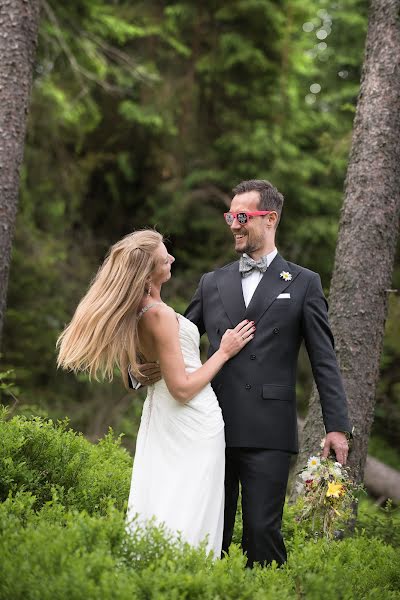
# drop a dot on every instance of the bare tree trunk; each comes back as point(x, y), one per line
point(367, 235)
point(381, 481)
point(18, 37)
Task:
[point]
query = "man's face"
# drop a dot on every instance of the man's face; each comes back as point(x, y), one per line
point(252, 236)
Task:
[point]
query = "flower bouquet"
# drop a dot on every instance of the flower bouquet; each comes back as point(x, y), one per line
point(327, 496)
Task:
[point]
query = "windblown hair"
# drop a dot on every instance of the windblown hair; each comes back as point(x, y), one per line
point(102, 334)
point(270, 198)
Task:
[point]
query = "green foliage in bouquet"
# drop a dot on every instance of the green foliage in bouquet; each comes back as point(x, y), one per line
point(327, 496)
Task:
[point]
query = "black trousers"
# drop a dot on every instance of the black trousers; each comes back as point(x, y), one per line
point(263, 475)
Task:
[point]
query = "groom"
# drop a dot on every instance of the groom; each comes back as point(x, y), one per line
point(256, 388)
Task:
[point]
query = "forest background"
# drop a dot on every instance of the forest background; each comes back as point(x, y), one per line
point(147, 114)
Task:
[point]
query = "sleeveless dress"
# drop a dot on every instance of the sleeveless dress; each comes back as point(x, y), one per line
point(179, 465)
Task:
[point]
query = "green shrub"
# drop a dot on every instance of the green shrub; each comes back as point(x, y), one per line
point(379, 522)
point(58, 553)
point(41, 457)
point(63, 536)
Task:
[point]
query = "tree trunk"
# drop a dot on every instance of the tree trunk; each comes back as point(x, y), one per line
point(18, 37)
point(367, 236)
point(381, 481)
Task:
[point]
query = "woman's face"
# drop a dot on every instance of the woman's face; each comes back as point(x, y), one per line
point(162, 270)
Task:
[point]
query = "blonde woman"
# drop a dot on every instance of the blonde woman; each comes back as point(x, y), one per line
point(178, 472)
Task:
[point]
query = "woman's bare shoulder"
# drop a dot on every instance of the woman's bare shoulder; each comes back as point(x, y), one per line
point(158, 315)
point(157, 329)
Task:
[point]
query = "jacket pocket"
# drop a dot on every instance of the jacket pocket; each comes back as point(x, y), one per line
point(278, 392)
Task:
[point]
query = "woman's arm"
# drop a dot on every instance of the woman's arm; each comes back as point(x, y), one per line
point(162, 326)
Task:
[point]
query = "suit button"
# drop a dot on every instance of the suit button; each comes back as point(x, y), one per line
point(276, 330)
point(247, 386)
point(252, 357)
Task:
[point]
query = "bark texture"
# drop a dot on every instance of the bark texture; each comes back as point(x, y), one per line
point(18, 38)
point(367, 236)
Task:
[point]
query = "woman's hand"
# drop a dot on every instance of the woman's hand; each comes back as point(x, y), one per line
point(163, 329)
point(235, 339)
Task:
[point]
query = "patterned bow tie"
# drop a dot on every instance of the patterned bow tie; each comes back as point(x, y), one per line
point(247, 265)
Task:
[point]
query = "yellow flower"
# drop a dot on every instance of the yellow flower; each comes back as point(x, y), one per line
point(335, 490)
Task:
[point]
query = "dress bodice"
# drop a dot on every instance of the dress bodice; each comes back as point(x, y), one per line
point(189, 338)
point(201, 415)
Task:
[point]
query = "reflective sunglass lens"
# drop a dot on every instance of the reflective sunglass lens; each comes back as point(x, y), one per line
point(241, 217)
point(229, 218)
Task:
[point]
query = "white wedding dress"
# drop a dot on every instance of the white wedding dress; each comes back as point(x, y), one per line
point(179, 465)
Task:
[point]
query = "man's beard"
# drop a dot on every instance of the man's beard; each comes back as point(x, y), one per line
point(250, 246)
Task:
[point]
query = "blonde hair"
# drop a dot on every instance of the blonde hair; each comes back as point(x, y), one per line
point(103, 334)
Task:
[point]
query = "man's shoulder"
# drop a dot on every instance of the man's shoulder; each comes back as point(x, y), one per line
point(229, 267)
point(306, 273)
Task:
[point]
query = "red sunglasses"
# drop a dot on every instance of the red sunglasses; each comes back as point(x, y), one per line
point(243, 217)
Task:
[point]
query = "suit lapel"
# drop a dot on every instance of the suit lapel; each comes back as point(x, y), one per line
point(270, 286)
point(229, 282)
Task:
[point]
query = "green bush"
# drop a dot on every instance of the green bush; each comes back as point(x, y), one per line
point(379, 522)
point(63, 536)
point(43, 457)
point(56, 553)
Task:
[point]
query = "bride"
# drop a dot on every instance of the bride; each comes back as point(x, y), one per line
point(178, 471)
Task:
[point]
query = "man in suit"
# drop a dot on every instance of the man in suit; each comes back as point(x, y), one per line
point(256, 388)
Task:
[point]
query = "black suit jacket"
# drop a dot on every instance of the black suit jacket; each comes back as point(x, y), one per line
point(257, 388)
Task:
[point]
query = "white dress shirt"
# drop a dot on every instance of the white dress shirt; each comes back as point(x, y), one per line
point(250, 283)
